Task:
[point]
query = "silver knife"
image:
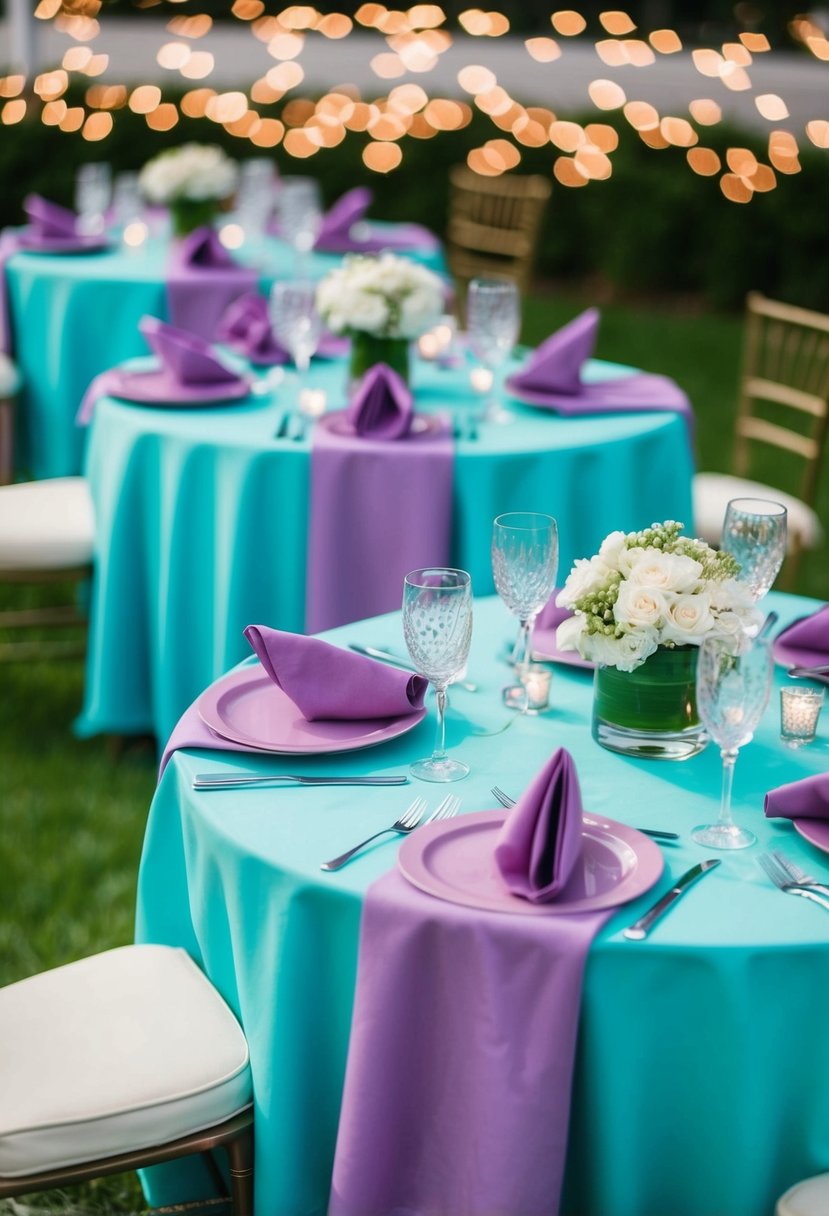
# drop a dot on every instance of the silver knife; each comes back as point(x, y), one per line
point(642, 927)
point(224, 781)
point(385, 656)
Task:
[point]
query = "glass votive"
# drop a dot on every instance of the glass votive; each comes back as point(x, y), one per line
point(799, 713)
point(533, 694)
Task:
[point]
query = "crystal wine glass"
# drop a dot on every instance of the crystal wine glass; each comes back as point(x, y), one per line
point(493, 322)
point(733, 684)
point(754, 532)
point(437, 625)
point(296, 323)
point(299, 206)
point(93, 192)
point(525, 564)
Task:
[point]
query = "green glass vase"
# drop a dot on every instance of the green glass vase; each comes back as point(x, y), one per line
point(369, 349)
point(650, 712)
point(188, 214)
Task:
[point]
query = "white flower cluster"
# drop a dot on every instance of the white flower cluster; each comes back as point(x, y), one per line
point(388, 296)
point(648, 589)
point(192, 172)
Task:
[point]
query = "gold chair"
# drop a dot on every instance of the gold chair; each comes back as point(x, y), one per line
point(782, 417)
point(9, 389)
point(494, 224)
point(120, 1061)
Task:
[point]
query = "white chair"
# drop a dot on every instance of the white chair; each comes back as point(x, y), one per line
point(116, 1062)
point(47, 534)
point(782, 418)
point(807, 1198)
point(10, 383)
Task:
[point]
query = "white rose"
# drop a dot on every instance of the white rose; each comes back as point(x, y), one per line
point(611, 549)
point(639, 607)
point(689, 619)
point(669, 571)
point(569, 632)
point(587, 577)
point(625, 653)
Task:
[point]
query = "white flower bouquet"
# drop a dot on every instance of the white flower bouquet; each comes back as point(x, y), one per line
point(386, 296)
point(192, 173)
point(647, 589)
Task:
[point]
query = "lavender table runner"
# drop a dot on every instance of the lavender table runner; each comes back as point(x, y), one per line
point(463, 1039)
point(190, 731)
point(378, 510)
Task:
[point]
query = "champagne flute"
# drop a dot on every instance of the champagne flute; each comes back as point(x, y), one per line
point(437, 625)
point(733, 685)
point(93, 193)
point(754, 532)
point(493, 322)
point(296, 323)
point(299, 206)
point(525, 564)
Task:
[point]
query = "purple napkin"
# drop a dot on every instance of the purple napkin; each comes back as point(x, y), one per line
point(382, 406)
point(809, 637)
point(246, 327)
point(326, 682)
point(189, 371)
point(551, 616)
point(540, 843)
point(555, 367)
point(48, 219)
point(338, 233)
point(805, 799)
point(202, 281)
point(377, 510)
point(334, 233)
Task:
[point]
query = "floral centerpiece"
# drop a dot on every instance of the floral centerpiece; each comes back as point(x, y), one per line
point(192, 180)
point(383, 303)
point(642, 607)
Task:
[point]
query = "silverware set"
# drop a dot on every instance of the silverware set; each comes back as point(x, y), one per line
point(230, 781)
point(411, 818)
point(810, 673)
point(465, 426)
point(656, 833)
point(792, 880)
point(291, 424)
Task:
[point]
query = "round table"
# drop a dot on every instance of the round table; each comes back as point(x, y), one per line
point(75, 315)
point(702, 1057)
point(202, 521)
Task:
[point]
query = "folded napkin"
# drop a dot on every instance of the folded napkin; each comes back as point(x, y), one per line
point(48, 219)
point(189, 371)
point(804, 799)
point(552, 377)
point(382, 406)
point(246, 327)
point(324, 681)
point(540, 843)
point(343, 232)
point(202, 281)
point(551, 615)
point(809, 637)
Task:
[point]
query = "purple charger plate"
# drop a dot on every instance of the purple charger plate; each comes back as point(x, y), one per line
point(248, 708)
point(62, 244)
point(545, 649)
point(159, 388)
point(796, 656)
point(455, 860)
point(816, 831)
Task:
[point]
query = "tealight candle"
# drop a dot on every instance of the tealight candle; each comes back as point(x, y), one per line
point(312, 402)
point(481, 379)
point(799, 713)
point(428, 345)
point(135, 234)
point(536, 680)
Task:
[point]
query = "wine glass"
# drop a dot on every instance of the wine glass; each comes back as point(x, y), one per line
point(493, 322)
point(525, 564)
point(437, 625)
point(733, 684)
point(299, 207)
point(296, 323)
point(754, 532)
point(93, 192)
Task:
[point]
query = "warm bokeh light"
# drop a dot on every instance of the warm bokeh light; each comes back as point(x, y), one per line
point(285, 76)
point(106, 96)
point(528, 132)
point(76, 58)
point(162, 119)
point(678, 131)
point(617, 23)
point(707, 62)
point(199, 65)
point(705, 111)
point(735, 189)
point(12, 86)
point(737, 52)
point(286, 46)
point(476, 79)
point(190, 27)
point(566, 136)
point(543, 50)
point(741, 161)
point(53, 113)
point(762, 179)
point(606, 94)
point(335, 25)
point(665, 42)
point(592, 163)
point(268, 134)
point(566, 173)
point(51, 85)
point(704, 161)
point(13, 111)
point(756, 43)
point(226, 107)
point(772, 107)
point(73, 119)
point(604, 137)
point(232, 236)
point(382, 157)
point(445, 115)
point(388, 66)
point(194, 103)
point(97, 126)
point(145, 99)
point(568, 22)
point(641, 115)
point(818, 131)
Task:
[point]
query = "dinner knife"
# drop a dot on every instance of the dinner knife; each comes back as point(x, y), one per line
point(385, 656)
point(640, 928)
point(224, 781)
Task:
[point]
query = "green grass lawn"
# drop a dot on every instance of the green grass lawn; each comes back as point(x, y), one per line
point(72, 813)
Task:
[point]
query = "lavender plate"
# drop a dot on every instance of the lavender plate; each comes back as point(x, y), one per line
point(546, 651)
point(62, 244)
point(158, 387)
point(455, 860)
point(816, 831)
point(796, 656)
point(246, 707)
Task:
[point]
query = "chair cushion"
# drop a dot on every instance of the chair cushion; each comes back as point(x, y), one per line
point(808, 1198)
point(714, 491)
point(120, 1051)
point(10, 379)
point(46, 525)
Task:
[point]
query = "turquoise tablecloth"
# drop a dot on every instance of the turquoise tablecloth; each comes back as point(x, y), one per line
point(73, 316)
point(202, 518)
point(701, 1072)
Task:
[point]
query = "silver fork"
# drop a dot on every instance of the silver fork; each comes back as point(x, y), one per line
point(796, 874)
point(656, 833)
point(408, 821)
point(782, 880)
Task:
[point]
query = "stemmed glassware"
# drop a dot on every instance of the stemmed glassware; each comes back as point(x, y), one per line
point(733, 685)
point(437, 625)
point(493, 323)
point(754, 532)
point(299, 207)
point(296, 323)
point(93, 192)
point(525, 564)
